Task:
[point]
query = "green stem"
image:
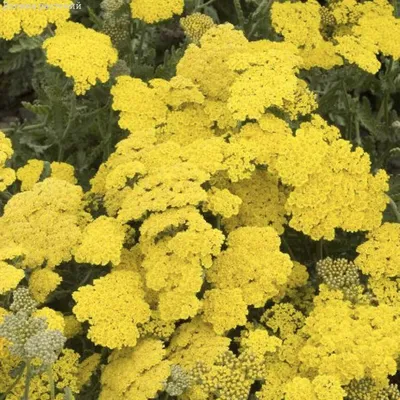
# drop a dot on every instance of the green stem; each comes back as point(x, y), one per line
point(395, 209)
point(51, 382)
point(15, 383)
point(71, 118)
point(320, 249)
point(27, 380)
point(208, 3)
point(267, 4)
point(358, 136)
point(218, 222)
point(290, 251)
point(239, 13)
point(344, 87)
point(141, 43)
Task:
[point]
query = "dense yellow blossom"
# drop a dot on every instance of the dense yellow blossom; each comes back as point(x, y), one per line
point(30, 17)
point(151, 11)
point(7, 175)
point(196, 25)
point(283, 319)
point(54, 319)
point(72, 326)
point(31, 173)
point(113, 305)
point(159, 104)
point(379, 256)
point(135, 374)
point(63, 171)
point(351, 197)
point(258, 342)
point(222, 202)
point(82, 53)
point(207, 65)
point(323, 387)
point(360, 30)
point(350, 342)
point(196, 341)
point(266, 77)
point(10, 277)
point(51, 213)
point(263, 202)
point(42, 282)
point(223, 314)
point(253, 263)
point(177, 245)
point(101, 242)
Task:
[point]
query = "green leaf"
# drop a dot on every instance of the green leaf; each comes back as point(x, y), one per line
point(26, 43)
point(38, 109)
point(366, 116)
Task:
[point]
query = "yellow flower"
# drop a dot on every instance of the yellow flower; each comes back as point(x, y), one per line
point(10, 277)
point(44, 222)
point(252, 263)
point(196, 25)
point(101, 242)
point(82, 53)
point(43, 282)
point(151, 11)
point(113, 305)
point(135, 373)
point(31, 17)
point(54, 319)
point(222, 314)
point(7, 175)
point(379, 256)
point(222, 202)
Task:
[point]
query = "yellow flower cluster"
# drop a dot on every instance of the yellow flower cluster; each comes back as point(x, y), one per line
point(323, 387)
point(135, 374)
point(351, 198)
point(360, 31)
point(31, 16)
point(52, 214)
point(114, 305)
point(252, 263)
point(379, 256)
point(351, 342)
point(10, 277)
point(152, 11)
point(263, 202)
point(191, 290)
point(101, 242)
point(222, 202)
point(7, 175)
point(43, 282)
point(82, 53)
point(31, 173)
point(196, 25)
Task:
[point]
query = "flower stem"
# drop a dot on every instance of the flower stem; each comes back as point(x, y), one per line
point(395, 209)
point(239, 13)
point(51, 382)
point(27, 380)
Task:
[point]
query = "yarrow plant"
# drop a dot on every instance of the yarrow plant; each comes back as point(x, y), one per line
point(199, 200)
